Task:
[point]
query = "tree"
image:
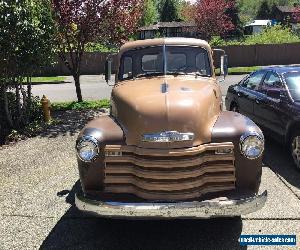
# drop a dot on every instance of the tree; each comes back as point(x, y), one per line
point(188, 11)
point(79, 22)
point(119, 20)
point(264, 11)
point(249, 8)
point(169, 11)
point(211, 18)
point(233, 13)
point(150, 13)
point(25, 46)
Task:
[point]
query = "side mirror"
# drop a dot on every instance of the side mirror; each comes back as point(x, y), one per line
point(274, 93)
point(224, 65)
point(108, 65)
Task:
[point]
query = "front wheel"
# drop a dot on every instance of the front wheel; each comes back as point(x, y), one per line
point(234, 108)
point(295, 148)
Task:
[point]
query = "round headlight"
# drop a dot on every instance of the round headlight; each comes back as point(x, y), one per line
point(87, 148)
point(252, 145)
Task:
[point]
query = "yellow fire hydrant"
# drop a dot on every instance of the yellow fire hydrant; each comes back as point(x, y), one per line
point(46, 108)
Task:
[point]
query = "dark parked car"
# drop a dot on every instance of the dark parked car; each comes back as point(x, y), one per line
point(271, 98)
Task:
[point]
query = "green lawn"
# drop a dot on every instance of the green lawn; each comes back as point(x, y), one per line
point(47, 79)
point(240, 70)
point(80, 105)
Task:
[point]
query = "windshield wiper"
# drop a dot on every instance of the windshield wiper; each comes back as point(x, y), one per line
point(188, 73)
point(198, 74)
point(148, 74)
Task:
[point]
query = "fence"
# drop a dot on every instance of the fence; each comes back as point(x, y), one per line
point(93, 63)
point(262, 54)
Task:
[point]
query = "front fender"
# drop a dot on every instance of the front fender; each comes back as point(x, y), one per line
point(105, 129)
point(107, 132)
point(229, 127)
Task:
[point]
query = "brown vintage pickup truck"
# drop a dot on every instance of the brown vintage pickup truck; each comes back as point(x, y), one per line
point(167, 149)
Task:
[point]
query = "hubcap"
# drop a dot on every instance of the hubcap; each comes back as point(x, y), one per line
point(296, 151)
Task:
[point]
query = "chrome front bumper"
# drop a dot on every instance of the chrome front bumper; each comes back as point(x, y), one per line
point(204, 209)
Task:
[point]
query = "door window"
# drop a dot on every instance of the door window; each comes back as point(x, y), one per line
point(272, 80)
point(253, 81)
point(293, 83)
point(127, 72)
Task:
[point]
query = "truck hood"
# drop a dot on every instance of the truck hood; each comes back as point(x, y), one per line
point(155, 105)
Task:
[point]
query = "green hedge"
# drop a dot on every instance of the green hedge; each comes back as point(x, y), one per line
point(273, 35)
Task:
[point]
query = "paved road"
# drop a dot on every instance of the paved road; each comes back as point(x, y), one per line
point(38, 180)
point(95, 87)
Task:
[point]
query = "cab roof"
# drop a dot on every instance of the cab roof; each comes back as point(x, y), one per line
point(164, 41)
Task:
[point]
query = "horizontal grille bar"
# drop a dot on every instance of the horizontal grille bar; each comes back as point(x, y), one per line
point(170, 185)
point(168, 152)
point(168, 163)
point(171, 174)
point(163, 196)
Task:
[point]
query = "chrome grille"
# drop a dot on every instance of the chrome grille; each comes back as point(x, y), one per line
point(169, 174)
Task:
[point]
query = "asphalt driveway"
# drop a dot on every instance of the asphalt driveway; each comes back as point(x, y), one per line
point(38, 180)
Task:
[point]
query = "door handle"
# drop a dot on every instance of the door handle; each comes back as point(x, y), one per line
point(257, 101)
point(239, 94)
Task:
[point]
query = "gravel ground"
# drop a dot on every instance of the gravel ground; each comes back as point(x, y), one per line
point(38, 180)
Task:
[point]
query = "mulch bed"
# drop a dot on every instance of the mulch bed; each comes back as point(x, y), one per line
point(64, 122)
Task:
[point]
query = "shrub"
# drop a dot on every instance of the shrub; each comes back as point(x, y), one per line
point(217, 41)
point(272, 35)
point(25, 47)
point(33, 113)
point(98, 47)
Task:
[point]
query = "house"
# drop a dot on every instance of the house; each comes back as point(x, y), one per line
point(257, 26)
point(168, 29)
point(280, 14)
point(285, 14)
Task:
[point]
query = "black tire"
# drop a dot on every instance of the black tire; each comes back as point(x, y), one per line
point(234, 107)
point(294, 146)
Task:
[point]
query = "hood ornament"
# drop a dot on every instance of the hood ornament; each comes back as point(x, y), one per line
point(164, 88)
point(168, 136)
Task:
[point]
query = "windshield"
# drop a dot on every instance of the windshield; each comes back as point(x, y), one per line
point(293, 83)
point(160, 60)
